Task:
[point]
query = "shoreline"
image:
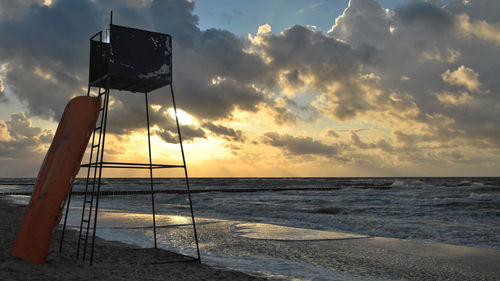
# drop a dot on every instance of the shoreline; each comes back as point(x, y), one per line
point(112, 261)
point(245, 246)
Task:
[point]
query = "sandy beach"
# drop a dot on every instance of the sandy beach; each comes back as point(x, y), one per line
point(114, 260)
point(340, 256)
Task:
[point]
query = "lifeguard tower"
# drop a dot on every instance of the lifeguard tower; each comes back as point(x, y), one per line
point(137, 61)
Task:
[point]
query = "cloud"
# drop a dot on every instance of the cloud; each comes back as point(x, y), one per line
point(426, 14)
point(329, 66)
point(292, 79)
point(332, 133)
point(4, 131)
point(225, 132)
point(479, 29)
point(422, 41)
point(2, 91)
point(463, 99)
point(281, 114)
point(415, 73)
point(189, 133)
point(19, 138)
point(176, 17)
point(19, 126)
point(49, 39)
point(300, 145)
point(486, 10)
point(47, 59)
point(364, 22)
point(358, 143)
point(14, 9)
point(22, 146)
point(463, 76)
point(454, 157)
point(217, 101)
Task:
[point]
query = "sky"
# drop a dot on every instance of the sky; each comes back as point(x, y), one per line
point(275, 88)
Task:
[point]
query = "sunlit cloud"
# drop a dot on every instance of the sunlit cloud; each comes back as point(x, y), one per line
point(463, 98)
point(184, 117)
point(463, 76)
point(479, 29)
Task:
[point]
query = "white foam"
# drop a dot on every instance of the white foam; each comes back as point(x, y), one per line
point(398, 184)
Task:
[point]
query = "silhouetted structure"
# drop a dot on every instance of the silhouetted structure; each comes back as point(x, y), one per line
point(137, 61)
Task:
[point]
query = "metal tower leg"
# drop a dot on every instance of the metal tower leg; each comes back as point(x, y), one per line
point(186, 174)
point(151, 171)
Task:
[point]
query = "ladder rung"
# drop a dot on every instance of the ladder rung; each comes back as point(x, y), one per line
point(96, 145)
point(87, 201)
point(97, 128)
point(87, 221)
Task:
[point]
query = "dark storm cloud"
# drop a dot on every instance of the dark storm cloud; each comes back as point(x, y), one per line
point(128, 112)
point(300, 145)
point(189, 133)
point(204, 56)
point(214, 75)
point(487, 10)
point(331, 65)
point(217, 101)
point(53, 40)
point(14, 9)
point(177, 18)
point(312, 53)
point(225, 132)
point(415, 45)
point(429, 14)
point(371, 61)
point(47, 56)
point(43, 98)
point(55, 33)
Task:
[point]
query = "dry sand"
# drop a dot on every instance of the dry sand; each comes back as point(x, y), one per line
point(114, 261)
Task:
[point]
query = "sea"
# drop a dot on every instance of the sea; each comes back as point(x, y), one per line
point(458, 211)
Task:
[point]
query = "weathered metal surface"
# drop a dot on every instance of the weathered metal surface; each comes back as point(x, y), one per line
point(99, 58)
point(136, 60)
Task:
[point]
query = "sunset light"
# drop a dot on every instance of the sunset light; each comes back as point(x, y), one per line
point(311, 140)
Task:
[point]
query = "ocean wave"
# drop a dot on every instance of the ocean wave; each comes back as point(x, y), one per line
point(398, 184)
point(328, 210)
point(485, 196)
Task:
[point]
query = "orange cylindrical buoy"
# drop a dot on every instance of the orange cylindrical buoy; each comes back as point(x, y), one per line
point(56, 176)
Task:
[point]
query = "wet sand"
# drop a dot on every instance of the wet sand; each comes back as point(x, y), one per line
point(365, 258)
point(113, 260)
point(361, 258)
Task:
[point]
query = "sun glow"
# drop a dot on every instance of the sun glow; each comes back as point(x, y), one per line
point(184, 117)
